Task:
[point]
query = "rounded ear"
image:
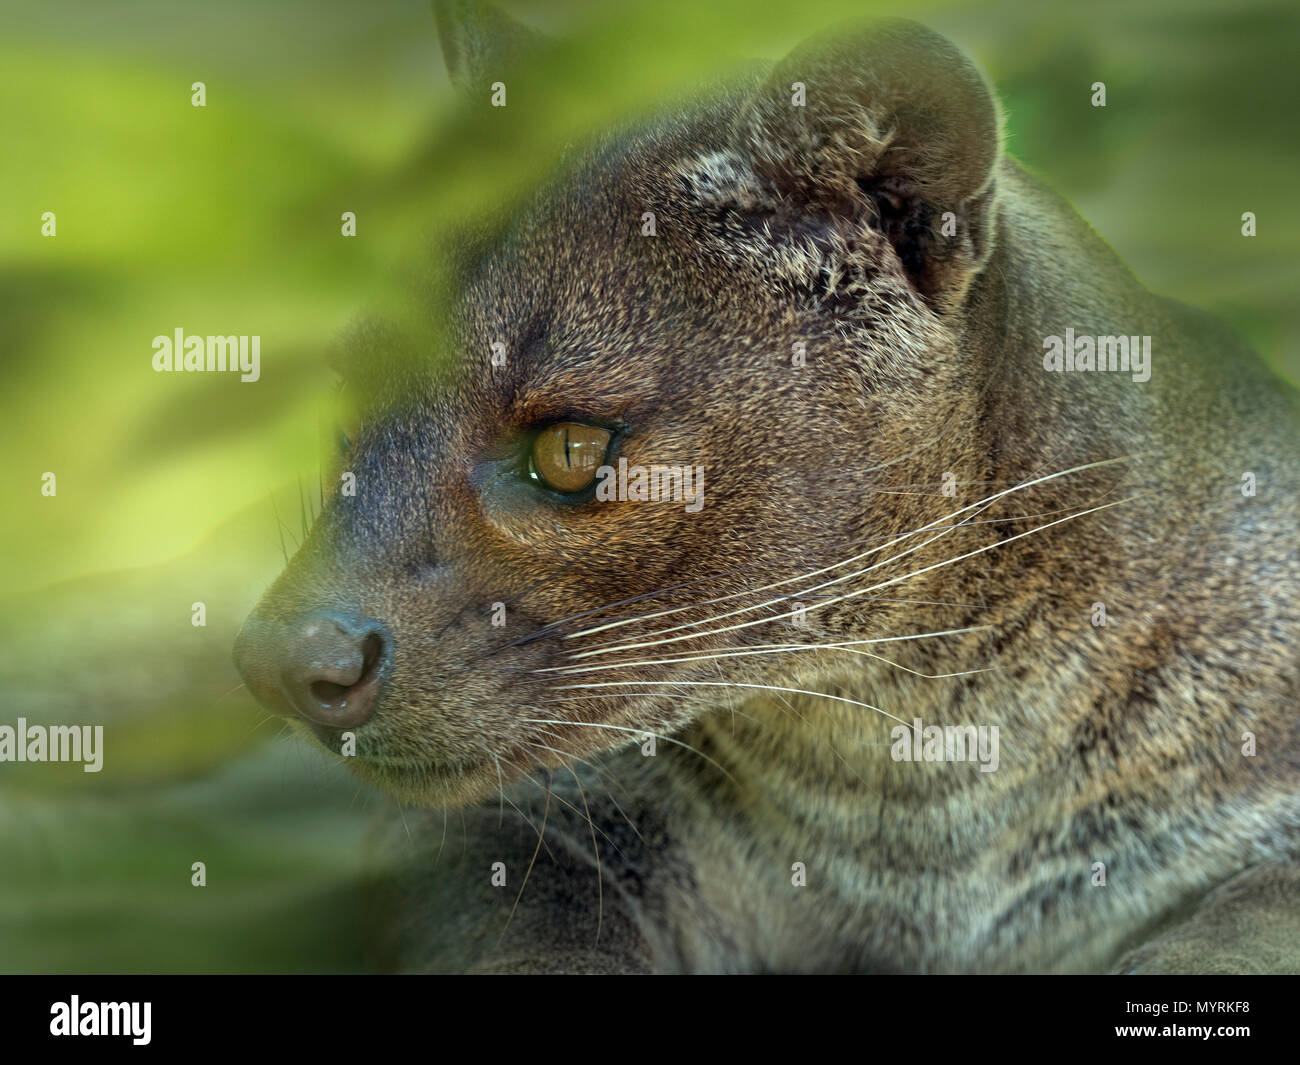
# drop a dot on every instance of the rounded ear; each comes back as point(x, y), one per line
point(887, 125)
point(481, 44)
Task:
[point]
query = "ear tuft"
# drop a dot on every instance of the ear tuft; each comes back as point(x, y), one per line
point(887, 125)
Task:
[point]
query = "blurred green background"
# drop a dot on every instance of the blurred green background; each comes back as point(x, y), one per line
point(225, 220)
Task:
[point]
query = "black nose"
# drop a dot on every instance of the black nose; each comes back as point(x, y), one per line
point(326, 667)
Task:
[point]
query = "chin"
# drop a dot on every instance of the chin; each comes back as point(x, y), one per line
point(417, 784)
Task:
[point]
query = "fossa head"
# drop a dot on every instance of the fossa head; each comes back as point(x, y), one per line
point(765, 290)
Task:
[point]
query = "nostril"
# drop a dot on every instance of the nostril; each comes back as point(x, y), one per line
point(329, 692)
point(329, 668)
point(372, 650)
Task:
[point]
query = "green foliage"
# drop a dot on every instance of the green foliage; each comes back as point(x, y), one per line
point(225, 219)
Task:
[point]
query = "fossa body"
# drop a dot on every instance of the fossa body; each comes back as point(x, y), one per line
point(842, 316)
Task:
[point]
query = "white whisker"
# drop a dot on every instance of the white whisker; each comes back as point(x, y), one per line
point(857, 594)
point(730, 684)
point(622, 728)
point(983, 503)
point(763, 648)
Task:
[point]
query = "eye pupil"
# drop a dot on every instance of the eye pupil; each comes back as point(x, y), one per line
point(566, 455)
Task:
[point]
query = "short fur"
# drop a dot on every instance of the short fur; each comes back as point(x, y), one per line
point(825, 225)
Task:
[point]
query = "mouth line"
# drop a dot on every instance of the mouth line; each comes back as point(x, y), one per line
point(384, 762)
point(427, 784)
point(412, 778)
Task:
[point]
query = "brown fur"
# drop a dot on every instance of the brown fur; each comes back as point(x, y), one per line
point(823, 225)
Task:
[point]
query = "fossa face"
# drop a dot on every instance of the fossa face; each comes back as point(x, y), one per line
point(647, 446)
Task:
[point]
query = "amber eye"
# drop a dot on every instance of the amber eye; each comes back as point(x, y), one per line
point(566, 455)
